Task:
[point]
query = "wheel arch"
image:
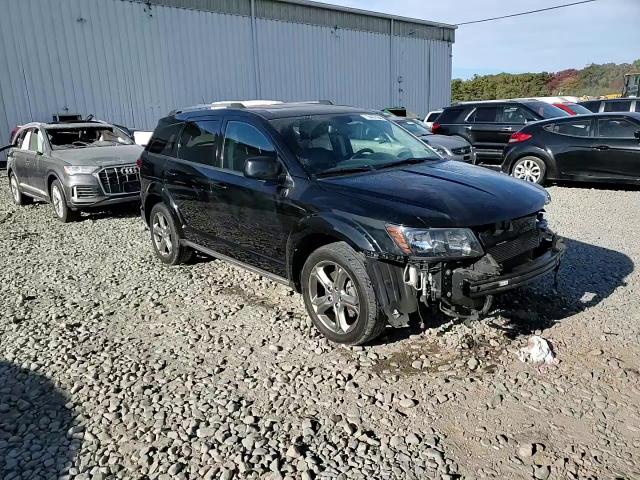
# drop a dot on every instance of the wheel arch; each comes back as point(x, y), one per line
point(551, 170)
point(315, 232)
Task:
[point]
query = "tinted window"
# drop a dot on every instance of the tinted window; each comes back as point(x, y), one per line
point(637, 105)
point(575, 129)
point(198, 142)
point(618, 106)
point(485, 115)
point(432, 117)
point(593, 106)
point(450, 115)
point(578, 109)
point(165, 139)
point(545, 110)
point(516, 114)
point(242, 141)
point(616, 128)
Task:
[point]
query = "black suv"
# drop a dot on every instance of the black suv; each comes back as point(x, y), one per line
point(612, 105)
point(351, 210)
point(489, 125)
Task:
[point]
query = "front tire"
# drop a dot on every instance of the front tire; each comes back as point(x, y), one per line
point(339, 296)
point(17, 196)
point(530, 169)
point(59, 202)
point(165, 237)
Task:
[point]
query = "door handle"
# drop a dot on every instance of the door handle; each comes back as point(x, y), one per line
point(601, 147)
point(219, 185)
point(467, 127)
point(507, 129)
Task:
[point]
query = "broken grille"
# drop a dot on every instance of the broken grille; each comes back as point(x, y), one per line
point(120, 180)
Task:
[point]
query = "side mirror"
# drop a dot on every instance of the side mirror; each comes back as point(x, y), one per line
point(262, 168)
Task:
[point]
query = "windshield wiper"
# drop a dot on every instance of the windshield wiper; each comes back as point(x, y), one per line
point(340, 171)
point(405, 161)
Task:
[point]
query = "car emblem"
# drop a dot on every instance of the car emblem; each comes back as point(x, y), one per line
point(129, 170)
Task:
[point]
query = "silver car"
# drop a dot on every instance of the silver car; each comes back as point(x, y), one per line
point(451, 148)
point(73, 166)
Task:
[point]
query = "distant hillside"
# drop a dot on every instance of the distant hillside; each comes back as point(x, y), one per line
point(593, 80)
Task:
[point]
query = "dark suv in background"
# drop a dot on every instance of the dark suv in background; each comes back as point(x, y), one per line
point(488, 125)
point(348, 208)
point(612, 105)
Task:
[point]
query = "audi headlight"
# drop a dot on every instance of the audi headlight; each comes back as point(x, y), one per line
point(80, 169)
point(441, 150)
point(436, 242)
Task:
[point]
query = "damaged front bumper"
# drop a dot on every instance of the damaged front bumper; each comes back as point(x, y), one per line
point(460, 289)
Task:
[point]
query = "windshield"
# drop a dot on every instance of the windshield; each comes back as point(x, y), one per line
point(325, 144)
point(82, 137)
point(415, 127)
point(546, 110)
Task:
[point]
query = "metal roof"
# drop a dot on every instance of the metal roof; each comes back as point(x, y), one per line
point(317, 13)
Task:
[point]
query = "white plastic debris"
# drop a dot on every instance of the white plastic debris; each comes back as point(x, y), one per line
point(587, 297)
point(537, 350)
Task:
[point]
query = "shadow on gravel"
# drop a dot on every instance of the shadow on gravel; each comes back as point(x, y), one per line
point(588, 275)
point(128, 210)
point(34, 423)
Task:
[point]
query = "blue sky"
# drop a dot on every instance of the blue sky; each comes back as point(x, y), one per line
point(573, 37)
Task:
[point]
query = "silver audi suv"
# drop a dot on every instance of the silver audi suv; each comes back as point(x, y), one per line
point(73, 166)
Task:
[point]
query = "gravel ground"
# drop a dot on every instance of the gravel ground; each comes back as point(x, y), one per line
point(115, 366)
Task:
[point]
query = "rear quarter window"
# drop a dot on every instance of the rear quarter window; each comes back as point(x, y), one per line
point(593, 106)
point(165, 139)
point(450, 115)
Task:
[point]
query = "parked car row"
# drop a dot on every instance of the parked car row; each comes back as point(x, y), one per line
point(539, 142)
point(360, 216)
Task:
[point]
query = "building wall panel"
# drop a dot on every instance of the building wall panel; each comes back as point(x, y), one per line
point(131, 64)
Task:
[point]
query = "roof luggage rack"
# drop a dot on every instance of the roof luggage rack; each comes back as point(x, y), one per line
point(242, 104)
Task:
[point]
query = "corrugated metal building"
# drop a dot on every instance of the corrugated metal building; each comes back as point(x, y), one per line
point(130, 62)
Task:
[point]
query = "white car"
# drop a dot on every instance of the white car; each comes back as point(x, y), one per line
point(431, 117)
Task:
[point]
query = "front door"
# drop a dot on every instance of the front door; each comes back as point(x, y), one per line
point(250, 215)
point(572, 143)
point(616, 148)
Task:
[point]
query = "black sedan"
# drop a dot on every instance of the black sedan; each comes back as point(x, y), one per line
point(602, 147)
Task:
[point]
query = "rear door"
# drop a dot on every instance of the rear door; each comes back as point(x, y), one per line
point(39, 170)
point(16, 156)
point(616, 148)
point(572, 145)
point(511, 118)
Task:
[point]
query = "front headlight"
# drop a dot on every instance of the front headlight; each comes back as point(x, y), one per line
point(80, 169)
point(436, 242)
point(441, 150)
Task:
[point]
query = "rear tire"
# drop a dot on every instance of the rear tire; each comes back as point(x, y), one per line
point(530, 169)
point(59, 202)
point(165, 237)
point(16, 194)
point(339, 296)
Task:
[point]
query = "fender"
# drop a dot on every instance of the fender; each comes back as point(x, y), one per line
point(331, 225)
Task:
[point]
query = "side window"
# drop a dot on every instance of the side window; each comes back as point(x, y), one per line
point(198, 142)
point(165, 139)
point(637, 105)
point(432, 117)
point(593, 105)
point(616, 128)
point(242, 141)
point(516, 114)
point(618, 106)
point(450, 115)
point(574, 129)
point(488, 114)
point(26, 140)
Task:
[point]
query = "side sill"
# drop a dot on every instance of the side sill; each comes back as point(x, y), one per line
point(251, 268)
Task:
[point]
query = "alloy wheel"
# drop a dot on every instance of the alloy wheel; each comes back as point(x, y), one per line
point(14, 189)
point(528, 170)
point(56, 198)
point(334, 297)
point(162, 234)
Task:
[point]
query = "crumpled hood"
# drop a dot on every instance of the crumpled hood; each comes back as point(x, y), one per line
point(442, 194)
point(100, 156)
point(445, 141)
